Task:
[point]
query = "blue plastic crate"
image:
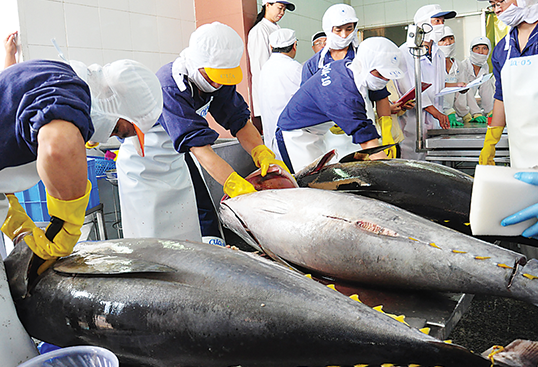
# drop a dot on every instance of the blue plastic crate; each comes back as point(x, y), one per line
point(34, 200)
point(102, 165)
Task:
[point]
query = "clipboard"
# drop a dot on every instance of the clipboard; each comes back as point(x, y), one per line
point(411, 93)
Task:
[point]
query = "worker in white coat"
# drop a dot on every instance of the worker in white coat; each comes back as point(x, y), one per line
point(453, 103)
point(339, 94)
point(475, 67)
point(432, 19)
point(49, 110)
point(514, 59)
point(157, 194)
point(279, 80)
point(258, 47)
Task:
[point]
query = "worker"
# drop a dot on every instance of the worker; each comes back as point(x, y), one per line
point(339, 93)
point(476, 66)
point(279, 80)
point(258, 47)
point(432, 19)
point(452, 103)
point(340, 25)
point(157, 196)
point(527, 213)
point(49, 109)
point(10, 46)
point(319, 39)
point(516, 94)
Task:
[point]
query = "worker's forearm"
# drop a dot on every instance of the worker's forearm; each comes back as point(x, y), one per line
point(217, 167)
point(61, 160)
point(498, 118)
point(383, 107)
point(249, 137)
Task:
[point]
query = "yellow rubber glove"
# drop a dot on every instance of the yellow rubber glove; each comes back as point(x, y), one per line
point(236, 185)
point(336, 130)
point(493, 135)
point(71, 212)
point(91, 145)
point(263, 157)
point(467, 118)
point(386, 135)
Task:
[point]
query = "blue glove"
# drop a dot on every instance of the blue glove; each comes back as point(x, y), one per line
point(527, 213)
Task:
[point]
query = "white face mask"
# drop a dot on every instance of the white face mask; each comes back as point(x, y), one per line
point(448, 50)
point(478, 59)
point(335, 42)
point(513, 16)
point(198, 79)
point(374, 83)
point(103, 125)
point(436, 33)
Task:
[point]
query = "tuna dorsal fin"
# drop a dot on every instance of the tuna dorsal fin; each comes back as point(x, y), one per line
point(317, 165)
point(362, 155)
point(107, 265)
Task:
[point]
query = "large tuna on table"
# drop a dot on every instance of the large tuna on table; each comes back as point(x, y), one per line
point(358, 239)
point(168, 303)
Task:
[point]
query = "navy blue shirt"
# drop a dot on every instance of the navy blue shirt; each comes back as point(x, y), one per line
point(32, 94)
point(499, 55)
point(310, 67)
point(330, 95)
point(183, 115)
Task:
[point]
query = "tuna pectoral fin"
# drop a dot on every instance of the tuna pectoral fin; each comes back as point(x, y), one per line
point(361, 154)
point(107, 265)
point(520, 353)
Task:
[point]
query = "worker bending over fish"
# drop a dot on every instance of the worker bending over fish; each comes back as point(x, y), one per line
point(48, 110)
point(159, 199)
point(339, 93)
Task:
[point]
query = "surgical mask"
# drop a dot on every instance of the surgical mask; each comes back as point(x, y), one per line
point(437, 33)
point(374, 83)
point(198, 79)
point(335, 42)
point(448, 50)
point(513, 16)
point(478, 59)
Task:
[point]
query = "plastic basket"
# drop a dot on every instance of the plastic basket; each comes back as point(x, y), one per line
point(80, 356)
point(34, 200)
point(102, 165)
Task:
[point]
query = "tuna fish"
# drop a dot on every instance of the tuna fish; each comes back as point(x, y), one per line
point(170, 303)
point(358, 239)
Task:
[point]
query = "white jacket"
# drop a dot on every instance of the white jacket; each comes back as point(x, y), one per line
point(455, 102)
point(486, 91)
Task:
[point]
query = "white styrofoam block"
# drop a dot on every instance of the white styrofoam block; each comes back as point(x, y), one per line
point(496, 195)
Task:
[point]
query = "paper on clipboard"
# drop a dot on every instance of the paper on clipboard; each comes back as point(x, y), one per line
point(410, 95)
point(474, 83)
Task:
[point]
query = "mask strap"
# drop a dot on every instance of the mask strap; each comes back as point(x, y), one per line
point(60, 53)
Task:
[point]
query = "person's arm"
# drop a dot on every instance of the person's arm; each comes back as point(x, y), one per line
point(10, 45)
point(443, 119)
point(249, 137)
point(217, 167)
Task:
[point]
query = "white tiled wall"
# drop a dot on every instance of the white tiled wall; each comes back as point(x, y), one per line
point(100, 31)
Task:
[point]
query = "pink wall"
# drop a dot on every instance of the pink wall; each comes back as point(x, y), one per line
point(240, 15)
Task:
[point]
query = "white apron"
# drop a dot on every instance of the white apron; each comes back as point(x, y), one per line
point(16, 346)
point(520, 94)
point(156, 192)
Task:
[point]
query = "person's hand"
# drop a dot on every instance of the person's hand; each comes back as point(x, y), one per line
point(479, 118)
point(263, 157)
point(467, 118)
point(461, 85)
point(10, 44)
point(395, 108)
point(386, 135)
point(443, 119)
point(236, 185)
point(493, 135)
point(409, 105)
point(454, 121)
point(527, 213)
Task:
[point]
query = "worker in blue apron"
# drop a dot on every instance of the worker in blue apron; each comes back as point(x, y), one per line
point(48, 110)
point(514, 58)
point(339, 94)
point(200, 81)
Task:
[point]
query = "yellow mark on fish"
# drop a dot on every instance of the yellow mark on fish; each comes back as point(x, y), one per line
point(374, 228)
point(413, 239)
point(355, 297)
point(495, 349)
point(331, 286)
point(448, 341)
point(504, 266)
point(467, 224)
point(387, 365)
point(379, 308)
point(482, 257)
point(308, 276)
point(434, 245)
point(425, 330)
point(447, 220)
point(531, 277)
point(459, 252)
point(360, 365)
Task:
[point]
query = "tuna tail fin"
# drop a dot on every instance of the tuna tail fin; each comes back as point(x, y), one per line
point(519, 353)
point(317, 165)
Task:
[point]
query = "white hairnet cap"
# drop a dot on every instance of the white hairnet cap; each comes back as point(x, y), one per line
point(282, 37)
point(447, 31)
point(425, 13)
point(481, 40)
point(122, 89)
point(337, 15)
point(218, 49)
point(381, 54)
point(289, 6)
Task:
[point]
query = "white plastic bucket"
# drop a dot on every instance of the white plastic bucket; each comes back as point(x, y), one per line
point(79, 356)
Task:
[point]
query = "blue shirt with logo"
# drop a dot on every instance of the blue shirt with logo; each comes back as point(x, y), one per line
point(310, 67)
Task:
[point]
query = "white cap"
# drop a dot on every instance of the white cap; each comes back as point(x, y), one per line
point(381, 54)
point(218, 49)
point(283, 37)
point(425, 13)
point(447, 31)
point(289, 6)
point(122, 89)
point(481, 41)
point(337, 15)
